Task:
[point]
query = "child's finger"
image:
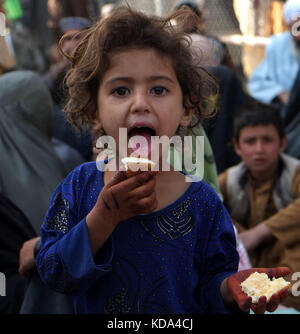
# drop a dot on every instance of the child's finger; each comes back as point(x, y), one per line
point(145, 204)
point(278, 272)
point(260, 307)
point(138, 180)
point(132, 182)
point(118, 177)
point(283, 294)
point(143, 191)
point(273, 303)
point(245, 304)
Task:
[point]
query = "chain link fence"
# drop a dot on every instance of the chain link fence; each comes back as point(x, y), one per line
point(220, 18)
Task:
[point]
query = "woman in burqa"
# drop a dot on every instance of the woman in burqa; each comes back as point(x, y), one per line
point(30, 171)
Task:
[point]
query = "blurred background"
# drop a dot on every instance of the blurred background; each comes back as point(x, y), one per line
point(244, 25)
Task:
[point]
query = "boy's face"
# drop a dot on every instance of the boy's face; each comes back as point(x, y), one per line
point(140, 92)
point(259, 147)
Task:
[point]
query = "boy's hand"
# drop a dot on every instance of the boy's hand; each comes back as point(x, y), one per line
point(26, 257)
point(232, 286)
point(124, 198)
point(256, 236)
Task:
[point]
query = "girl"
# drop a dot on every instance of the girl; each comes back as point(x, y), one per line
point(152, 243)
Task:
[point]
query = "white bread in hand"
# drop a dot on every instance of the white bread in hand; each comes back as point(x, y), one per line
point(135, 165)
point(259, 284)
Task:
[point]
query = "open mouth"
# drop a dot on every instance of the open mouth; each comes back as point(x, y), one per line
point(140, 140)
point(141, 131)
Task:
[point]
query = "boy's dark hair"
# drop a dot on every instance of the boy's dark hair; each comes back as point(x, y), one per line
point(124, 30)
point(256, 113)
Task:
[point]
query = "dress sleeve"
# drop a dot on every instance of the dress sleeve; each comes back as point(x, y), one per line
point(65, 261)
point(221, 258)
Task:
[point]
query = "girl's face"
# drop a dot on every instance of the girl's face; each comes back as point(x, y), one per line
point(140, 92)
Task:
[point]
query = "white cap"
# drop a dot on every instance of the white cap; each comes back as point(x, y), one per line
point(290, 9)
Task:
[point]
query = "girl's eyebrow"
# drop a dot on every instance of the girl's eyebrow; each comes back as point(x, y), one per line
point(150, 79)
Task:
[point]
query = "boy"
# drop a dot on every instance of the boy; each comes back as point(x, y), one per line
point(262, 192)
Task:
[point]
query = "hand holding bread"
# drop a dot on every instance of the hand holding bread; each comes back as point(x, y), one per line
point(137, 165)
point(261, 289)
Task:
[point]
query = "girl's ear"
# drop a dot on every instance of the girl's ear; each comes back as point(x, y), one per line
point(186, 117)
point(96, 125)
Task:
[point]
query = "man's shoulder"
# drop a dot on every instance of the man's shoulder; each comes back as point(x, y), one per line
point(235, 171)
point(279, 39)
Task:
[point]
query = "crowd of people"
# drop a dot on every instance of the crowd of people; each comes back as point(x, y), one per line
point(77, 235)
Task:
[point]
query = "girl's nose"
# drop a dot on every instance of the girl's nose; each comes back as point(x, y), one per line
point(140, 102)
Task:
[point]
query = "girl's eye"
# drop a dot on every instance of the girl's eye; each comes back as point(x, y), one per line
point(120, 91)
point(159, 90)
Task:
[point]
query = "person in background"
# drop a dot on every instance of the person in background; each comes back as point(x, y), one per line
point(71, 33)
point(209, 53)
point(30, 170)
point(58, 9)
point(195, 25)
point(191, 25)
point(262, 193)
point(15, 230)
point(107, 9)
point(272, 81)
point(7, 59)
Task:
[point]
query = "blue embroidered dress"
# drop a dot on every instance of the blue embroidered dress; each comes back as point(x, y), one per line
point(170, 261)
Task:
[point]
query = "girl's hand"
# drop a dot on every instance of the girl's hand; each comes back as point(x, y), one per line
point(124, 198)
point(120, 200)
point(231, 289)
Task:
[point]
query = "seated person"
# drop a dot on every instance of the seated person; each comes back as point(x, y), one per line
point(262, 193)
point(273, 79)
point(15, 229)
point(30, 170)
point(71, 29)
point(213, 55)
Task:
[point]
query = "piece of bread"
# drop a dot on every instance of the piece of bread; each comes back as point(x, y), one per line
point(257, 285)
point(136, 166)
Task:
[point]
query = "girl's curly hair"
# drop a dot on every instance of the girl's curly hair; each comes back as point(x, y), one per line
point(128, 29)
